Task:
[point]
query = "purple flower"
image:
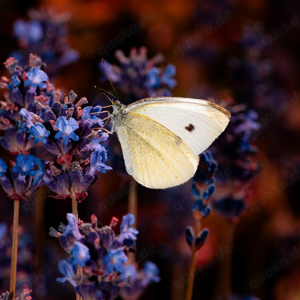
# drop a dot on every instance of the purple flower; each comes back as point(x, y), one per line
point(138, 280)
point(67, 270)
point(30, 31)
point(114, 260)
point(126, 231)
point(167, 79)
point(91, 114)
point(202, 208)
point(196, 241)
point(72, 226)
point(152, 80)
point(39, 133)
point(94, 144)
point(36, 78)
point(15, 82)
point(80, 254)
point(24, 164)
point(97, 160)
point(130, 271)
point(39, 173)
point(66, 129)
point(151, 272)
point(15, 141)
point(140, 77)
point(28, 117)
point(3, 167)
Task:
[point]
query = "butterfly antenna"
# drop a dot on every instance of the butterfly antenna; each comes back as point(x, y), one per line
point(109, 78)
point(96, 87)
point(105, 96)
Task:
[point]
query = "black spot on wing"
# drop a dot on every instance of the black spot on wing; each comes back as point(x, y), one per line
point(190, 127)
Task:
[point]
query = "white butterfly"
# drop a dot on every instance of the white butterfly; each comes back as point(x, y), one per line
point(161, 137)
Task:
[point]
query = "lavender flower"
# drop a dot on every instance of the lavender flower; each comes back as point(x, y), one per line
point(92, 114)
point(203, 187)
point(46, 33)
point(67, 270)
point(114, 260)
point(23, 164)
point(100, 252)
point(236, 155)
point(98, 158)
point(126, 231)
point(39, 132)
point(139, 280)
point(80, 254)
point(3, 167)
point(139, 77)
point(36, 78)
point(22, 181)
point(66, 129)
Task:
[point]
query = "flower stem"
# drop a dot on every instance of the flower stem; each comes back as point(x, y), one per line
point(75, 212)
point(189, 291)
point(228, 261)
point(132, 209)
point(14, 255)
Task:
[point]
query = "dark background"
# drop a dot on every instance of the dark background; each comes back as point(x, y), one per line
point(207, 42)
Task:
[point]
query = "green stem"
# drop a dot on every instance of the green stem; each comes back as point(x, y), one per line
point(14, 254)
point(228, 261)
point(132, 209)
point(189, 292)
point(75, 212)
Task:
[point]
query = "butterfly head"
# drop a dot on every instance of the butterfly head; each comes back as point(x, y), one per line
point(117, 107)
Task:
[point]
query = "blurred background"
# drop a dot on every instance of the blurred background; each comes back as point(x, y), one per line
point(241, 54)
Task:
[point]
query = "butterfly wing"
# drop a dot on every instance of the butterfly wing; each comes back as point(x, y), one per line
point(154, 156)
point(196, 122)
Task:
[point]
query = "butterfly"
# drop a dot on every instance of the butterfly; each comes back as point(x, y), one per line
point(161, 137)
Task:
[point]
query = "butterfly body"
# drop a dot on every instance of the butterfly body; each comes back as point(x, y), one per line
point(161, 137)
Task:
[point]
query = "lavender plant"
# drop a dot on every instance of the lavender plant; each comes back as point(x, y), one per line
point(236, 157)
point(103, 256)
point(139, 77)
point(35, 112)
point(45, 34)
point(203, 188)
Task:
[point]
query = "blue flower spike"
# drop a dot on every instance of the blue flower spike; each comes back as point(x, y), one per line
point(98, 159)
point(114, 260)
point(15, 82)
point(36, 78)
point(72, 226)
point(24, 164)
point(68, 271)
point(92, 114)
point(39, 132)
point(66, 129)
point(126, 231)
point(151, 272)
point(28, 117)
point(3, 167)
point(80, 254)
point(99, 251)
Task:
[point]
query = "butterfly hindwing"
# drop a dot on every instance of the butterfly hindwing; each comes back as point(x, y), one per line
point(155, 156)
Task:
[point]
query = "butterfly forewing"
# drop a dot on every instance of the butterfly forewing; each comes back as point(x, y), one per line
point(196, 122)
point(155, 156)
